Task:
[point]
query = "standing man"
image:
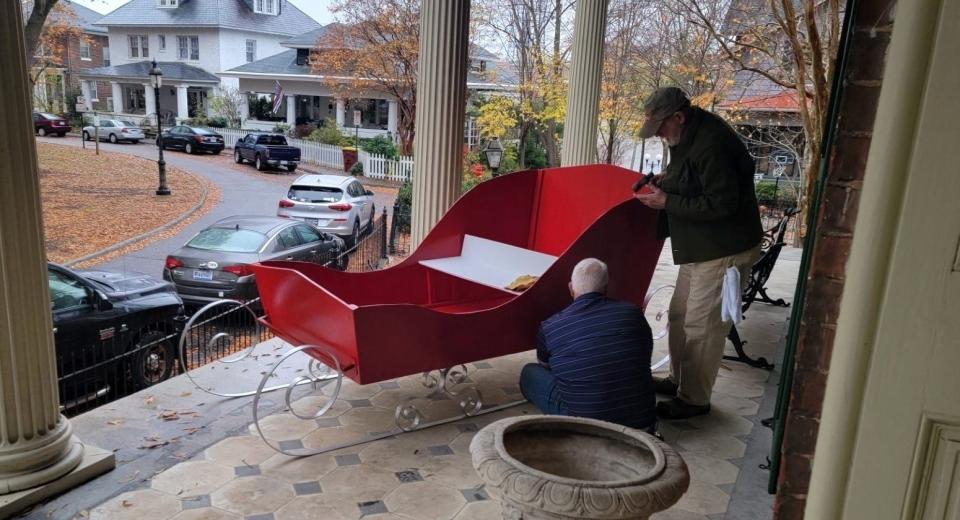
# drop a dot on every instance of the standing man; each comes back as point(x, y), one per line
point(708, 208)
point(594, 357)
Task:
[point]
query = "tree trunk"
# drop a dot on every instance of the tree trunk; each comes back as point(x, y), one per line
point(34, 26)
point(548, 139)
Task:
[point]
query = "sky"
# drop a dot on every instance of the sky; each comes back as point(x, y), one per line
point(315, 8)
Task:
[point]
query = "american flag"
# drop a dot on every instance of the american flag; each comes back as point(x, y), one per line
point(277, 97)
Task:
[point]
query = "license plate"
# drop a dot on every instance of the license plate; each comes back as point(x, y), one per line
point(312, 221)
point(202, 275)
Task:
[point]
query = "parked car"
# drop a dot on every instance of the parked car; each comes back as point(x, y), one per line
point(114, 332)
point(266, 150)
point(215, 263)
point(333, 203)
point(114, 130)
point(192, 139)
point(44, 123)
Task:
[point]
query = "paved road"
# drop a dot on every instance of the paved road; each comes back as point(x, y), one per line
point(241, 192)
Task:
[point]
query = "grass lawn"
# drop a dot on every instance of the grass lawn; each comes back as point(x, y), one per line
point(93, 201)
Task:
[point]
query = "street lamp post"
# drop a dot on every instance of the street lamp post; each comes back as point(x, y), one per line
point(494, 154)
point(157, 80)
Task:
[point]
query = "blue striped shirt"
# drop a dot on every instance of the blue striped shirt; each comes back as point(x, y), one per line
point(599, 351)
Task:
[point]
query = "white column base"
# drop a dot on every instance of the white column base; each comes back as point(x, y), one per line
point(95, 462)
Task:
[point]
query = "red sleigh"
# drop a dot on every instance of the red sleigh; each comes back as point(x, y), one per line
point(446, 304)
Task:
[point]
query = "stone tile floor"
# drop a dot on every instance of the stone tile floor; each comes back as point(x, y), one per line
point(427, 474)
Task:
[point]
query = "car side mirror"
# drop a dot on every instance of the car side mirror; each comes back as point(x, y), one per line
point(103, 303)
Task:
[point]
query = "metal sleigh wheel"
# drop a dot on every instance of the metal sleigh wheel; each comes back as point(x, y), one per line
point(656, 308)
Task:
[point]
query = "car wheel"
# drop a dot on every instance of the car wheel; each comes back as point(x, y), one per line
point(373, 214)
point(86, 136)
point(135, 141)
point(154, 359)
point(112, 138)
point(292, 168)
point(355, 236)
point(41, 131)
point(62, 134)
point(216, 152)
point(257, 163)
point(188, 148)
point(236, 157)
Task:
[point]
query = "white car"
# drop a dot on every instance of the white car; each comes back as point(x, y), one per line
point(335, 204)
point(114, 130)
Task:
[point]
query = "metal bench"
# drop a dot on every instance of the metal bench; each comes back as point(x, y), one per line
point(771, 245)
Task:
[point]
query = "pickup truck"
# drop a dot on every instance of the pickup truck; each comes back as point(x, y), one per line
point(265, 150)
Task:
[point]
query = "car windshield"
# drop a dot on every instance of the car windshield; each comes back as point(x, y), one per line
point(272, 140)
point(231, 240)
point(314, 194)
point(49, 116)
point(201, 131)
point(128, 123)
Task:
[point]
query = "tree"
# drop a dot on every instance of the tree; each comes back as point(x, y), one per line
point(48, 30)
point(227, 103)
point(791, 43)
point(376, 46)
point(497, 116)
point(532, 34)
point(622, 91)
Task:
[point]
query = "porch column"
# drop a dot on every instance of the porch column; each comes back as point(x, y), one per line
point(117, 91)
point(244, 108)
point(183, 111)
point(442, 79)
point(39, 455)
point(85, 91)
point(341, 112)
point(586, 64)
point(392, 119)
point(150, 102)
point(292, 110)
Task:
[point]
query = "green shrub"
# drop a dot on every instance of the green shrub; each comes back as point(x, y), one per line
point(281, 128)
point(329, 134)
point(380, 145)
point(769, 192)
point(217, 122)
point(356, 169)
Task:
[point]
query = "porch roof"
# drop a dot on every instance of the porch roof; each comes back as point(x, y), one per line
point(284, 65)
point(140, 70)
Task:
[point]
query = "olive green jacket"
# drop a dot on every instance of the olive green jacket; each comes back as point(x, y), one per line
point(711, 209)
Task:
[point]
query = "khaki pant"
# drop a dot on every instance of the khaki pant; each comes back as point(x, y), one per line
point(696, 333)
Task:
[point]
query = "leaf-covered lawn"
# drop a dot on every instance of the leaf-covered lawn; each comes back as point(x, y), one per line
point(93, 201)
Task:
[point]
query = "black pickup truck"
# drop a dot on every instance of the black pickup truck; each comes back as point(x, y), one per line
point(265, 150)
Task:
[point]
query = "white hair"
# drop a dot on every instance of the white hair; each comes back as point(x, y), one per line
point(589, 275)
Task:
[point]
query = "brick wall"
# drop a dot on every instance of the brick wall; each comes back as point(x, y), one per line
point(835, 227)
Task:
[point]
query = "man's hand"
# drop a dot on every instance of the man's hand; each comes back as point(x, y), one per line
point(656, 199)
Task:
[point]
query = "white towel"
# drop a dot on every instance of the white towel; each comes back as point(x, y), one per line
point(730, 309)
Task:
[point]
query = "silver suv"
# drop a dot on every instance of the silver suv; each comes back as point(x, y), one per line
point(335, 204)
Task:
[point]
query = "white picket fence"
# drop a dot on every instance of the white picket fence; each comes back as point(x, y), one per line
point(374, 166)
point(378, 166)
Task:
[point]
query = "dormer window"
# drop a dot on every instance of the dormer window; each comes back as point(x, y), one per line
point(168, 3)
point(303, 57)
point(478, 65)
point(266, 6)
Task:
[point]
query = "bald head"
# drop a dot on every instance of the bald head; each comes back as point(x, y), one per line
point(589, 275)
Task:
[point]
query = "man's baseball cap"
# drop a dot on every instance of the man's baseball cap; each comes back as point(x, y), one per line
point(663, 103)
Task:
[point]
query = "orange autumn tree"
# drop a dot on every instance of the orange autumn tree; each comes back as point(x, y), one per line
point(374, 48)
point(49, 26)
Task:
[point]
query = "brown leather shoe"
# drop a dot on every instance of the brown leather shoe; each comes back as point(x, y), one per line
point(677, 409)
point(665, 386)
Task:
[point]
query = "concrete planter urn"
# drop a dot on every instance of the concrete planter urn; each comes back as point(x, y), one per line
point(555, 467)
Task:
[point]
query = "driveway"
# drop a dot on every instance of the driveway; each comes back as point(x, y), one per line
point(243, 190)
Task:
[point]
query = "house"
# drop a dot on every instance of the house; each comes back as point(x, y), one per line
point(309, 98)
point(56, 76)
point(191, 41)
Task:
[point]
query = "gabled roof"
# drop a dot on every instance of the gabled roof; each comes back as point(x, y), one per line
point(86, 18)
point(499, 75)
point(172, 70)
point(226, 14)
point(309, 39)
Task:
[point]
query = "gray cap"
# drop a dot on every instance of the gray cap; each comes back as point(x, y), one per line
point(663, 103)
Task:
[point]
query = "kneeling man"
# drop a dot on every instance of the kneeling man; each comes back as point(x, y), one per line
point(594, 357)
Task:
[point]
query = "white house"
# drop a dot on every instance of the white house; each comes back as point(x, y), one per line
point(310, 100)
point(191, 40)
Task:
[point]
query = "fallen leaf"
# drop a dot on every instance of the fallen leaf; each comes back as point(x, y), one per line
point(185, 394)
point(115, 422)
point(85, 513)
point(126, 503)
point(169, 415)
point(149, 401)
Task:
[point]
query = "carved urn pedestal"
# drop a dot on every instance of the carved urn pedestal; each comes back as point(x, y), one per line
point(554, 467)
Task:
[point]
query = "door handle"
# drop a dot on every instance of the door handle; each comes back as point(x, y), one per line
point(313, 251)
point(54, 330)
point(289, 258)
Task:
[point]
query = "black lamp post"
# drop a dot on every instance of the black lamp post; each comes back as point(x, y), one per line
point(157, 80)
point(494, 154)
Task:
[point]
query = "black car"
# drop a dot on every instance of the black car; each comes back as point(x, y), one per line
point(115, 333)
point(191, 139)
point(215, 263)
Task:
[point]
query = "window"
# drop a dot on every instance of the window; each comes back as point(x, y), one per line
point(84, 50)
point(266, 6)
point(308, 234)
point(315, 194)
point(288, 238)
point(188, 47)
point(65, 292)
point(167, 3)
point(139, 46)
point(106, 56)
point(231, 240)
point(251, 50)
point(162, 42)
point(303, 56)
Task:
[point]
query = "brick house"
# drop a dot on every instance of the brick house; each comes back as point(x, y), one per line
point(56, 87)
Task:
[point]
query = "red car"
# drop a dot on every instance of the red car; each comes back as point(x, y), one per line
point(44, 124)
